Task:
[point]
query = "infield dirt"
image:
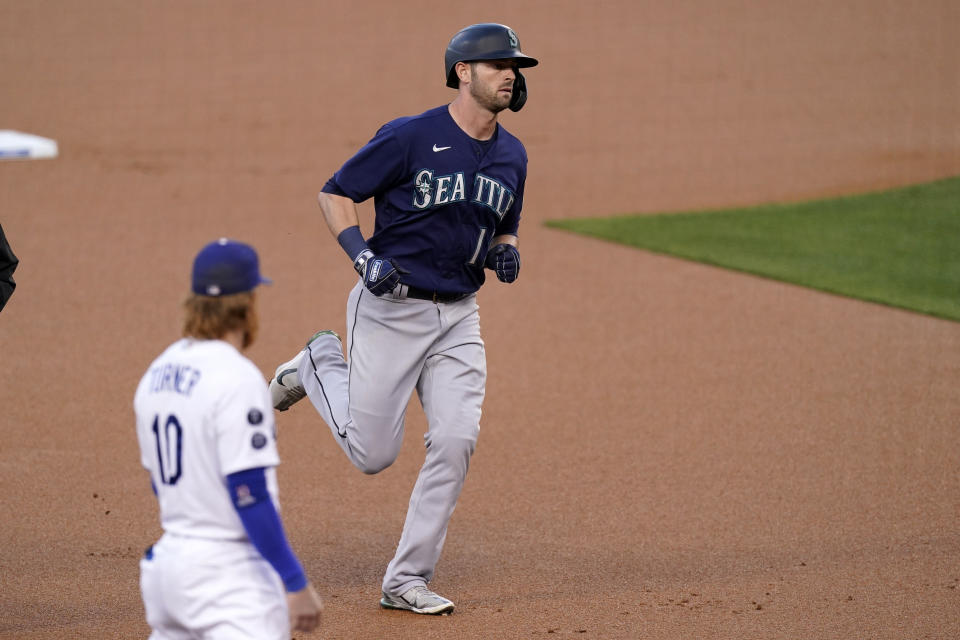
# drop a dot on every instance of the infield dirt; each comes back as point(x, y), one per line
point(668, 450)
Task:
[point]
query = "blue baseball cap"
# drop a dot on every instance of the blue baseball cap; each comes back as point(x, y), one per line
point(225, 267)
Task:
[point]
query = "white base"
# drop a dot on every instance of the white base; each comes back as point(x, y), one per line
point(15, 145)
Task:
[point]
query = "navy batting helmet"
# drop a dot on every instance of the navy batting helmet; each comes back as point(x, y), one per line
point(488, 41)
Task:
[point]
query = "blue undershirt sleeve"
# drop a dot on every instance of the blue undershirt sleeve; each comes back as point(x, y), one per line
point(248, 491)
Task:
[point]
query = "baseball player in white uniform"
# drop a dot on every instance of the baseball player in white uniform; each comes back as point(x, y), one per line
point(223, 567)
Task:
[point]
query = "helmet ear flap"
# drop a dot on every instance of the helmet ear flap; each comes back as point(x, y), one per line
point(519, 97)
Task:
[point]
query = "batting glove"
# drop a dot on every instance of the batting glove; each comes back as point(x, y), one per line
point(380, 275)
point(504, 259)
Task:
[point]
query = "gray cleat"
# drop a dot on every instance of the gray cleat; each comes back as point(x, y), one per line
point(418, 599)
point(285, 388)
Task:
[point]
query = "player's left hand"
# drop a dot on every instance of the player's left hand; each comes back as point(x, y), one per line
point(306, 609)
point(504, 259)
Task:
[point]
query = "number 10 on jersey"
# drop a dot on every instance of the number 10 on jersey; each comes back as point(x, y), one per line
point(169, 437)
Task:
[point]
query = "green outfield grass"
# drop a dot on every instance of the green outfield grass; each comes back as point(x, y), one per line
point(900, 247)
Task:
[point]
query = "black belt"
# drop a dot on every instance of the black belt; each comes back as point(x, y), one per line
point(434, 296)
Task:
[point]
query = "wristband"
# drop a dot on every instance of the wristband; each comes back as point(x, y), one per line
point(352, 242)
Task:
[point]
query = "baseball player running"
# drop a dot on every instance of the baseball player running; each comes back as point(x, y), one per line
point(223, 567)
point(448, 189)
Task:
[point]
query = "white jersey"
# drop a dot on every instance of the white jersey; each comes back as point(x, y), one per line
point(203, 412)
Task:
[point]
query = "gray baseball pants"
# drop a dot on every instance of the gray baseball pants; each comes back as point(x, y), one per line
point(395, 345)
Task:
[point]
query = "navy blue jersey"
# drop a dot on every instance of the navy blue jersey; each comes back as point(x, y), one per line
point(440, 196)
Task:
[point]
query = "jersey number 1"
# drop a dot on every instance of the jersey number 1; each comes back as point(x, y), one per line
point(169, 438)
point(476, 252)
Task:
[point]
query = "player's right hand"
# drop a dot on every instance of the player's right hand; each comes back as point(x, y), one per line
point(306, 609)
point(380, 275)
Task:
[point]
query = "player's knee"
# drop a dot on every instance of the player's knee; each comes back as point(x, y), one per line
point(376, 462)
point(371, 467)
